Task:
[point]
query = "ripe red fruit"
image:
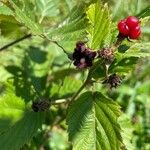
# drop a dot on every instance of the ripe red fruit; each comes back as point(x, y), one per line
point(132, 22)
point(123, 28)
point(135, 32)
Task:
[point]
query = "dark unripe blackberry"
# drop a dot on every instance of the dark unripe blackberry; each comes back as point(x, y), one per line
point(40, 106)
point(80, 46)
point(106, 54)
point(113, 80)
point(90, 54)
point(83, 56)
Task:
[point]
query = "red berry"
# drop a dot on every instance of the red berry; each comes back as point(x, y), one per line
point(132, 22)
point(135, 32)
point(123, 28)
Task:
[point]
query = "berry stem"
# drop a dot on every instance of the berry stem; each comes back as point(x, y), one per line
point(15, 42)
point(106, 70)
point(81, 88)
point(55, 42)
point(68, 54)
point(59, 101)
point(88, 79)
point(118, 42)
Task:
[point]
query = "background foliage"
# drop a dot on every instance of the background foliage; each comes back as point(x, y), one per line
point(37, 68)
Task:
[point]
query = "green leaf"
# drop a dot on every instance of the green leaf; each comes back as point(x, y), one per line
point(18, 124)
point(100, 21)
point(92, 123)
point(23, 17)
point(144, 13)
point(10, 29)
point(97, 71)
point(73, 28)
point(136, 50)
point(127, 131)
point(143, 21)
point(47, 8)
point(4, 10)
point(8, 25)
point(127, 57)
point(65, 88)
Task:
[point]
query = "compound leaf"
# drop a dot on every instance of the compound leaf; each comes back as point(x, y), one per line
point(73, 28)
point(47, 8)
point(92, 123)
point(100, 21)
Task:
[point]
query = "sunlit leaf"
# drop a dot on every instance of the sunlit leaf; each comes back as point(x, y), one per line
point(92, 123)
point(24, 18)
point(99, 18)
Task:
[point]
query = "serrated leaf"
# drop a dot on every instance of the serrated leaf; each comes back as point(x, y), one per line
point(23, 17)
point(127, 57)
point(144, 20)
point(73, 28)
point(99, 19)
point(92, 123)
point(127, 130)
point(18, 123)
point(47, 8)
point(136, 50)
point(4, 10)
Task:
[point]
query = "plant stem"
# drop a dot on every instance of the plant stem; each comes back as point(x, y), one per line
point(28, 36)
point(59, 101)
point(106, 70)
point(118, 42)
point(81, 88)
point(15, 42)
point(55, 42)
point(68, 54)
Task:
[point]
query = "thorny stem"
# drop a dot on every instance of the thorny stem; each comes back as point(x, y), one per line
point(15, 42)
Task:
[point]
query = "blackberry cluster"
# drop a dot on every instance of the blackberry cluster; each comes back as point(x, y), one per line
point(40, 106)
point(83, 56)
point(106, 54)
point(113, 80)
